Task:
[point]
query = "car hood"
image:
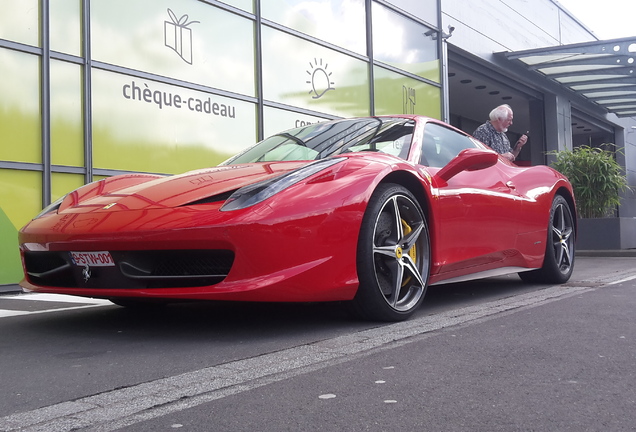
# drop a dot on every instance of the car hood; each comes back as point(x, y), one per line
point(145, 191)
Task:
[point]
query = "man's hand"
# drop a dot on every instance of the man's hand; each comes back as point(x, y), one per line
point(521, 142)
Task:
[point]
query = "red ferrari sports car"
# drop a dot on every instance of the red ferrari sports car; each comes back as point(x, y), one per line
point(366, 210)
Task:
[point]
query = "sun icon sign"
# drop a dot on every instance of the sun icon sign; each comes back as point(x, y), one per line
point(320, 79)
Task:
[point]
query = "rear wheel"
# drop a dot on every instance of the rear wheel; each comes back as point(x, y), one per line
point(393, 256)
point(558, 262)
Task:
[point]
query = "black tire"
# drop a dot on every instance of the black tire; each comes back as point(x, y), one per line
point(393, 260)
point(558, 262)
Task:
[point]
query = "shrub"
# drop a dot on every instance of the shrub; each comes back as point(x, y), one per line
point(596, 177)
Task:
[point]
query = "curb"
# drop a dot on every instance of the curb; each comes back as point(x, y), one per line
point(10, 289)
point(607, 253)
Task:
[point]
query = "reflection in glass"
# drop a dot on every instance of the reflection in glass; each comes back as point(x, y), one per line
point(20, 200)
point(143, 125)
point(19, 21)
point(340, 22)
point(313, 77)
point(188, 40)
point(246, 5)
point(322, 140)
point(402, 43)
point(20, 107)
point(399, 94)
point(62, 183)
point(276, 120)
point(67, 133)
point(65, 26)
point(441, 144)
point(20, 195)
point(423, 9)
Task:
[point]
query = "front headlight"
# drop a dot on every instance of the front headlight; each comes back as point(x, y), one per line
point(255, 193)
point(51, 207)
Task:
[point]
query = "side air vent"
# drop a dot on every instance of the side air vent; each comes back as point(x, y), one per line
point(214, 199)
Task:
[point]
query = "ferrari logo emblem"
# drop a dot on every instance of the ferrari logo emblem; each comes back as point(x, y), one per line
point(86, 273)
point(398, 252)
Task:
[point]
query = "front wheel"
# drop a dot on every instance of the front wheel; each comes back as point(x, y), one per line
point(558, 262)
point(393, 256)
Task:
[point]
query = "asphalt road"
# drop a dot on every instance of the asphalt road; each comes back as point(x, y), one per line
point(493, 355)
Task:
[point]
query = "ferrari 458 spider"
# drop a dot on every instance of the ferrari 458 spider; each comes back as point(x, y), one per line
point(367, 210)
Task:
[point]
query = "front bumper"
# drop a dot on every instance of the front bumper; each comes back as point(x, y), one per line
point(197, 252)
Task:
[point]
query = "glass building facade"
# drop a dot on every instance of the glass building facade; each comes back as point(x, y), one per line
point(94, 88)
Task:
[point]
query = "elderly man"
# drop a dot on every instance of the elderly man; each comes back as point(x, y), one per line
point(493, 133)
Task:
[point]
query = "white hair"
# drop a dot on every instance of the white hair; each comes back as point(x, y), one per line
point(501, 112)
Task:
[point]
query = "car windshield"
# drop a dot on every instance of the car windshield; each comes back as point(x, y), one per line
point(320, 140)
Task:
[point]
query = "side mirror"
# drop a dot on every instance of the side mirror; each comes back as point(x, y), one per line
point(470, 159)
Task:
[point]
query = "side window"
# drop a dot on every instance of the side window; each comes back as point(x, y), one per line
point(394, 139)
point(397, 142)
point(440, 145)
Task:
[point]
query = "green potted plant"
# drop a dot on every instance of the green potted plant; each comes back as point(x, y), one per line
point(598, 180)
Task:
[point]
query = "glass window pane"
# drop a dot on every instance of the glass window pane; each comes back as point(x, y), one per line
point(19, 21)
point(440, 145)
point(246, 5)
point(20, 107)
point(65, 26)
point(143, 125)
point(67, 133)
point(399, 94)
point(423, 9)
point(62, 183)
point(402, 43)
point(340, 22)
point(188, 40)
point(318, 141)
point(278, 120)
point(20, 200)
point(313, 77)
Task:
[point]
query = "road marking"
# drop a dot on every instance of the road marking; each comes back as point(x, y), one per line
point(83, 303)
point(115, 409)
point(627, 279)
point(57, 298)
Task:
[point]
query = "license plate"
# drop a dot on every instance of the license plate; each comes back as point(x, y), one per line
point(93, 259)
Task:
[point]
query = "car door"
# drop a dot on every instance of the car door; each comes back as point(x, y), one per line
point(475, 213)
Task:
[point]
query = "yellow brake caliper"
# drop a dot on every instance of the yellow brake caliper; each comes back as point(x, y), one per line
point(412, 252)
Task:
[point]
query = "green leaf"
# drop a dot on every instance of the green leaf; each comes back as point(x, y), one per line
point(596, 177)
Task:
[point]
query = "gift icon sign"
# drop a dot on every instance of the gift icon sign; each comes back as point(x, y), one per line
point(178, 36)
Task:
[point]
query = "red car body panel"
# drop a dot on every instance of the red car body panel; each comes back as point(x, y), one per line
point(504, 228)
point(300, 244)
